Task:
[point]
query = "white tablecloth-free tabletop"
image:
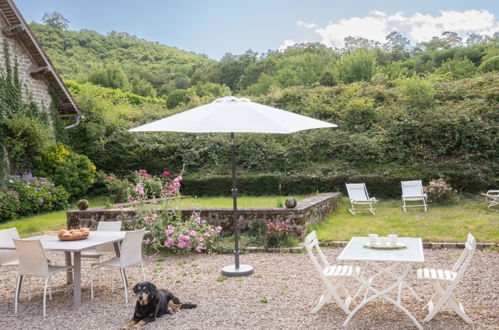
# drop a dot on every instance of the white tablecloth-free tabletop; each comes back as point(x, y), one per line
point(52, 243)
point(357, 253)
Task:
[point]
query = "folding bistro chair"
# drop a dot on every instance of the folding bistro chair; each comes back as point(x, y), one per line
point(412, 191)
point(357, 193)
point(492, 196)
point(333, 276)
point(445, 282)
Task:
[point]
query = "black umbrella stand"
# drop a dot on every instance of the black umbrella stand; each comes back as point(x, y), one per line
point(236, 270)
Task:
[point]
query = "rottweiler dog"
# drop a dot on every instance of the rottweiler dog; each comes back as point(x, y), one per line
point(153, 303)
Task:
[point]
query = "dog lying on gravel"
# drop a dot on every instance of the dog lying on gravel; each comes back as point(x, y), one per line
point(153, 303)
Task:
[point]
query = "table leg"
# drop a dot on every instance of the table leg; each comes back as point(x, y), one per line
point(77, 279)
point(381, 294)
point(69, 272)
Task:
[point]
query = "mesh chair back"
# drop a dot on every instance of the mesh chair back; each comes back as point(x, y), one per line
point(357, 191)
point(412, 188)
point(131, 249)
point(32, 258)
point(7, 235)
point(107, 226)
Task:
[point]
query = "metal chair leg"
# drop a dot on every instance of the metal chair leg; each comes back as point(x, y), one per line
point(45, 295)
point(18, 291)
point(124, 285)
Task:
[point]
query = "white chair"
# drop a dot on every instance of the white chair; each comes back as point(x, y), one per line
point(492, 196)
point(130, 255)
point(33, 262)
point(333, 276)
point(445, 282)
point(107, 249)
point(412, 191)
point(8, 257)
point(357, 193)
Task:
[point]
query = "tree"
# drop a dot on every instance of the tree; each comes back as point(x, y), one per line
point(354, 43)
point(111, 75)
point(457, 68)
point(56, 20)
point(397, 45)
point(357, 66)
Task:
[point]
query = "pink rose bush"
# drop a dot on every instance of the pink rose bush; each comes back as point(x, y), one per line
point(440, 192)
point(167, 231)
point(148, 186)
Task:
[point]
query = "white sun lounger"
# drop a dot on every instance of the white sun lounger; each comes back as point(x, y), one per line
point(492, 196)
point(412, 191)
point(357, 193)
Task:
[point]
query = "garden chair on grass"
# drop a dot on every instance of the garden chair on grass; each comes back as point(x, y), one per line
point(445, 282)
point(333, 276)
point(357, 193)
point(492, 196)
point(7, 257)
point(412, 191)
point(33, 262)
point(130, 255)
point(107, 249)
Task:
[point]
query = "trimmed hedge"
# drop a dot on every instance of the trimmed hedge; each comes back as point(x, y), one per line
point(386, 185)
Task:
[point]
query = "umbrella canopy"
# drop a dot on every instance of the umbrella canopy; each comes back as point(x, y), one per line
point(234, 115)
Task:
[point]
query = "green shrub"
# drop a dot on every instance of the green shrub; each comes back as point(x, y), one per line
point(37, 194)
point(73, 171)
point(176, 98)
point(118, 189)
point(9, 204)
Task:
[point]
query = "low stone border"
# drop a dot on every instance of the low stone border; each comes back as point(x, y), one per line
point(301, 249)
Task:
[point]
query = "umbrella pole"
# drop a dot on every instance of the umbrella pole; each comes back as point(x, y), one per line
point(237, 269)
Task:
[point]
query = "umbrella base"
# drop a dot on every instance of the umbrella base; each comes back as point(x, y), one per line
point(243, 270)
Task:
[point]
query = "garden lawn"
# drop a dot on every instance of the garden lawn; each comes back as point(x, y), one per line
point(448, 223)
point(36, 224)
point(226, 202)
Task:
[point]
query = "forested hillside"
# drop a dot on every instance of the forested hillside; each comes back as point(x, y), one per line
point(403, 111)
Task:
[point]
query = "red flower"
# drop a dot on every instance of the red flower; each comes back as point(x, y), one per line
point(166, 173)
point(143, 171)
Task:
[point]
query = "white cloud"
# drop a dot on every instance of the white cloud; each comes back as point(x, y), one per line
point(306, 25)
point(418, 27)
point(286, 44)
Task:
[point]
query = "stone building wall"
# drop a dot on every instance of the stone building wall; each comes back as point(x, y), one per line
point(33, 89)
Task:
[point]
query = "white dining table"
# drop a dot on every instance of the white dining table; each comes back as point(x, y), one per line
point(52, 243)
point(368, 258)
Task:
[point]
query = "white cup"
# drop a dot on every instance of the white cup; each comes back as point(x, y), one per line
point(392, 239)
point(373, 239)
point(383, 241)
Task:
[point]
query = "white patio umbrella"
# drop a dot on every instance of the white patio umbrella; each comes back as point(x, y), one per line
point(234, 115)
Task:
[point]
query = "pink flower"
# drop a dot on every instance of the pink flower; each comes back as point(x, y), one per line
point(207, 234)
point(166, 173)
point(109, 177)
point(143, 172)
point(200, 238)
point(139, 189)
point(198, 220)
point(199, 248)
point(181, 238)
point(192, 233)
point(218, 229)
point(169, 243)
point(182, 244)
point(187, 237)
point(169, 231)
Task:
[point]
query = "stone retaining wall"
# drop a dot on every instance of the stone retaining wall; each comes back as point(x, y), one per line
point(307, 211)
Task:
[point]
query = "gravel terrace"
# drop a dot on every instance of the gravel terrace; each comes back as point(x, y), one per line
point(288, 282)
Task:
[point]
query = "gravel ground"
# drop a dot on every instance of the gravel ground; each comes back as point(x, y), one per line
point(288, 282)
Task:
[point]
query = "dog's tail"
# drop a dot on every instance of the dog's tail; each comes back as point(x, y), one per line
point(188, 306)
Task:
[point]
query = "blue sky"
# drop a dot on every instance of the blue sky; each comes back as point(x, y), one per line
point(216, 27)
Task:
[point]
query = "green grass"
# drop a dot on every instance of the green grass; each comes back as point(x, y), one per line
point(33, 225)
point(448, 223)
point(226, 202)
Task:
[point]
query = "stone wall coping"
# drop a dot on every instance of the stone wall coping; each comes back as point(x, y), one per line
point(302, 206)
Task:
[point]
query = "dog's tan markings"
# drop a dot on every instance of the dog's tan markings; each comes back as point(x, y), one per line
point(139, 324)
point(174, 307)
point(128, 325)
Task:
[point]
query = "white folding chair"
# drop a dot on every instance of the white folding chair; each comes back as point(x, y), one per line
point(333, 276)
point(8, 257)
point(130, 255)
point(33, 262)
point(412, 191)
point(357, 193)
point(492, 196)
point(445, 282)
point(107, 249)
